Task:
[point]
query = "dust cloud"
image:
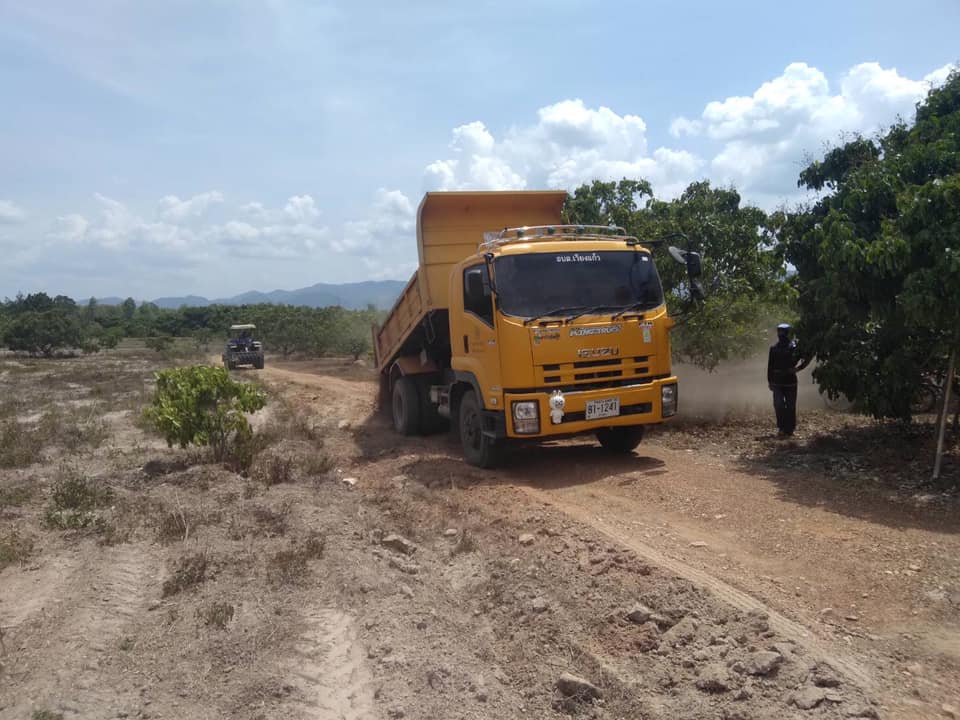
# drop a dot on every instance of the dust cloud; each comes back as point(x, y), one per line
point(737, 389)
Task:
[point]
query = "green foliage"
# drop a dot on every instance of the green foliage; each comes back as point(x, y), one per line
point(743, 268)
point(160, 343)
point(203, 406)
point(43, 326)
point(878, 259)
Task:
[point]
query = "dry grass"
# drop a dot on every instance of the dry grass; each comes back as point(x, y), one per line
point(14, 548)
point(45, 715)
point(19, 446)
point(191, 570)
point(466, 543)
point(290, 566)
point(16, 495)
point(73, 430)
point(273, 470)
point(217, 615)
point(273, 523)
point(317, 464)
point(175, 524)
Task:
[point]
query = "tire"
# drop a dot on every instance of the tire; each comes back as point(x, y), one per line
point(258, 363)
point(620, 439)
point(405, 407)
point(478, 449)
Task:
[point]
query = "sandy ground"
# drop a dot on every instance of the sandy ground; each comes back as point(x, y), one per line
point(693, 579)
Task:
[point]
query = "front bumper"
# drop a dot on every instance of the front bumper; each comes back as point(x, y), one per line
point(243, 358)
point(639, 405)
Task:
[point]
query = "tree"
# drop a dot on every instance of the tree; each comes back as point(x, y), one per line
point(878, 258)
point(742, 263)
point(203, 406)
point(42, 333)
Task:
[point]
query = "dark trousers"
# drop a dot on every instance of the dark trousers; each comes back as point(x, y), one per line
point(785, 405)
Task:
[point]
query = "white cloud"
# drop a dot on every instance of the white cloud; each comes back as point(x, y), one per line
point(567, 145)
point(70, 228)
point(10, 213)
point(183, 236)
point(173, 209)
point(387, 227)
point(765, 137)
point(301, 208)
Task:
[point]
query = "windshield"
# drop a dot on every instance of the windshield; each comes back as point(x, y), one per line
point(568, 283)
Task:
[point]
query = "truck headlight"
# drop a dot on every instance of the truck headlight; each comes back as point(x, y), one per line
point(668, 400)
point(526, 417)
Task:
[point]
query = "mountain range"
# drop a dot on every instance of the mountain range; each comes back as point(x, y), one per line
point(354, 296)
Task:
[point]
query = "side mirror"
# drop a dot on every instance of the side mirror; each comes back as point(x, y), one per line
point(691, 260)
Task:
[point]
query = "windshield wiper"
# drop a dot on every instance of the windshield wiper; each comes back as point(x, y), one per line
point(561, 311)
point(645, 305)
point(592, 310)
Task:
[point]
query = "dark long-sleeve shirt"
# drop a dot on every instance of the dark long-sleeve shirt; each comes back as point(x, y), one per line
point(784, 363)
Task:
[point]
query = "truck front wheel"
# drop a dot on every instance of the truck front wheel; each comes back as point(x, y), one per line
point(406, 407)
point(620, 439)
point(478, 449)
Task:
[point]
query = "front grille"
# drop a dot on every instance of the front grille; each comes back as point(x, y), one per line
point(638, 409)
point(596, 363)
point(598, 375)
point(595, 374)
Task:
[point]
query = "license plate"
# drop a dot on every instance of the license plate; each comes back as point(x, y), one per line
point(608, 407)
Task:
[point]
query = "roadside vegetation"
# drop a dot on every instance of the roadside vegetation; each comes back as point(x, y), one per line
point(42, 326)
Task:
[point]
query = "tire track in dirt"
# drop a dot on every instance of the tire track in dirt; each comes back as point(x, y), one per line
point(785, 627)
point(329, 669)
point(24, 594)
point(104, 604)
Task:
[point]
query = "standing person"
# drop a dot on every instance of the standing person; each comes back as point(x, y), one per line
point(782, 367)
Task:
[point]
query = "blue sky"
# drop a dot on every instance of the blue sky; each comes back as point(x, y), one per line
point(157, 148)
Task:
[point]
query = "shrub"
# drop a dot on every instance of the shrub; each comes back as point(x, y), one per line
point(161, 343)
point(203, 406)
point(190, 572)
point(75, 501)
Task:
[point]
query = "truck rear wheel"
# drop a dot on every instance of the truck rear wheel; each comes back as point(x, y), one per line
point(478, 449)
point(405, 404)
point(620, 439)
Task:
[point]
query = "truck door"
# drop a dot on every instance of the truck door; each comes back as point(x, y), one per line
point(476, 343)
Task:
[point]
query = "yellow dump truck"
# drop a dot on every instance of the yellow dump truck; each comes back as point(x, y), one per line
point(516, 327)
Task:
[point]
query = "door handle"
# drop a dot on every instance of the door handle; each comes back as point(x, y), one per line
point(466, 344)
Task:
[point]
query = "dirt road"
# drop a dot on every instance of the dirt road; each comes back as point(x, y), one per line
point(871, 583)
